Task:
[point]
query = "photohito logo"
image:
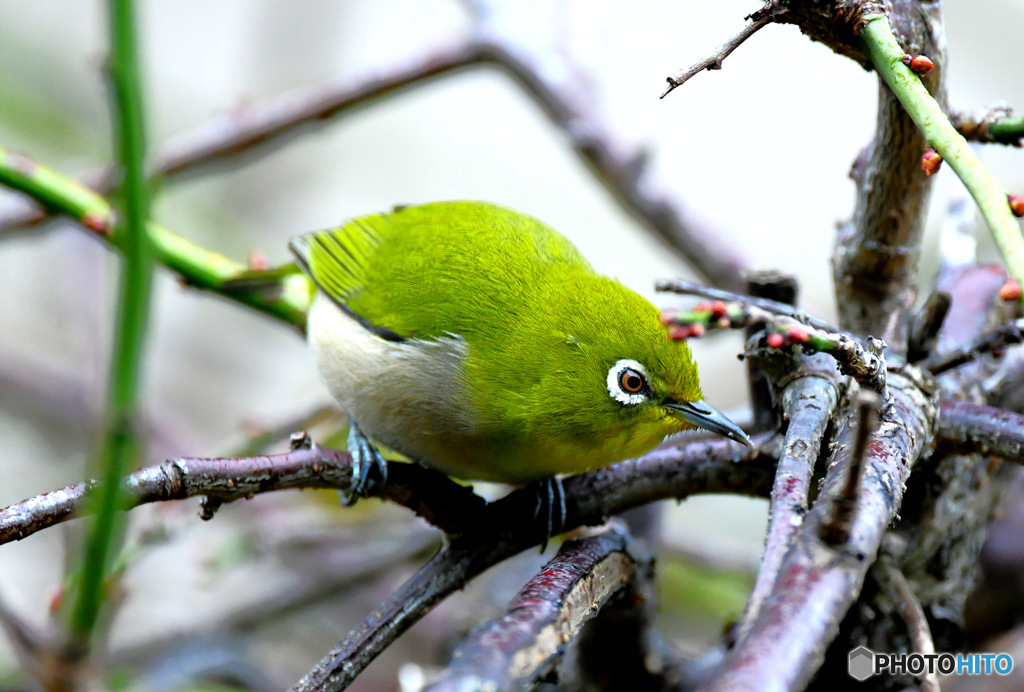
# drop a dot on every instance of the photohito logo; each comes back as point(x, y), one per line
point(864, 663)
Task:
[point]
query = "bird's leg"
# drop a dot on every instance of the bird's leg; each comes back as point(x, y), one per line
point(550, 500)
point(365, 457)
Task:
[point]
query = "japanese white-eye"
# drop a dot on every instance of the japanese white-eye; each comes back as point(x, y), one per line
point(479, 341)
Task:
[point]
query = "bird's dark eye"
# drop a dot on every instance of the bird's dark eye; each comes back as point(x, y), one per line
point(630, 381)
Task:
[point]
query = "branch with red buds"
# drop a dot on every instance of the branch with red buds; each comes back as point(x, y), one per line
point(864, 364)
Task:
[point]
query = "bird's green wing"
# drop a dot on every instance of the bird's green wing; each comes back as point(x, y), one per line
point(436, 269)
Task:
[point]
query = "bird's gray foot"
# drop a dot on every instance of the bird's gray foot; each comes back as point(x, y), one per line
point(550, 508)
point(365, 459)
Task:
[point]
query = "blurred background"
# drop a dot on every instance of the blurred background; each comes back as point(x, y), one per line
point(761, 149)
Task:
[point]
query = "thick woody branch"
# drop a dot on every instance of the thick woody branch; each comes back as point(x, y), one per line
point(808, 403)
point(971, 428)
point(698, 467)
point(819, 581)
point(522, 646)
point(928, 115)
point(876, 253)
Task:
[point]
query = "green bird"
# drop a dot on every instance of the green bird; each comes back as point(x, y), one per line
point(478, 341)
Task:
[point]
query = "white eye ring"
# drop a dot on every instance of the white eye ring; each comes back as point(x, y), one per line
point(615, 389)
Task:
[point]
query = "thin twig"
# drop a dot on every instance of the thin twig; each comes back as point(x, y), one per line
point(30, 647)
point(992, 124)
point(522, 646)
point(925, 324)
point(909, 606)
point(714, 61)
point(866, 365)
point(808, 403)
point(689, 288)
point(1012, 333)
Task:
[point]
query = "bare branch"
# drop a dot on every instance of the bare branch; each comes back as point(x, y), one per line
point(925, 324)
point(1012, 333)
point(714, 61)
point(260, 130)
point(227, 480)
point(972, 428)
point(893, 580)
point(522, 646)
point(808, 403)
point(836, 530)
point(697, 467)
point(689, 288)
point(819, 582)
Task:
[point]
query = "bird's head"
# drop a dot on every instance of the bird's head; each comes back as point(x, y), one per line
point(614, 376)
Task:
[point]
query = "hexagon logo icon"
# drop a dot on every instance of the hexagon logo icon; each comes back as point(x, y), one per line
point(861, 664)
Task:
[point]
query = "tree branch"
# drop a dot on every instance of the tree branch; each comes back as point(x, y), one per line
point(971, 428)
point(522, 646)
point(818, 582)
point(928, 115)
point(808, 403)
point(995, 124)
point(620, 167)
point(197, 266)
point(714, 61)
point(689, 288)
point(893, 580)
point(712, 466)
point(1012, 333)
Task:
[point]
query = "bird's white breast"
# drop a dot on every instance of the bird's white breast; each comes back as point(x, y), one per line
point(408, 395)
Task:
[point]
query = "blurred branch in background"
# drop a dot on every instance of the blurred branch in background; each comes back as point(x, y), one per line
point(262, 129)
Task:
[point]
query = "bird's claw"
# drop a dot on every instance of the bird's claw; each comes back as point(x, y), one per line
point(365, 458)
point(550, 500)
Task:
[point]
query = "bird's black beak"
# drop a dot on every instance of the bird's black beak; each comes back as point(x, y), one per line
point(708, 417)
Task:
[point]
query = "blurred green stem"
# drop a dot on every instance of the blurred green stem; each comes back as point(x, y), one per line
point(1007, 130)
point(122, 444)
point(887, 57)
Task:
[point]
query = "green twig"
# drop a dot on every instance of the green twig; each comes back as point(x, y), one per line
point(122, 443)
point(195, 265)
point(1008, 130)
point(887, 57)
